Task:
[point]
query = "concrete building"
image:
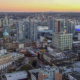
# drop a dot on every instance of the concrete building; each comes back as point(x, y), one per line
point(70, 26)
point(76, 46)
point(62, 41)
point(27, 28)
point(5, 21)
point(46, 73)
point(20, 30)
point(1, 23)
point(7, 58)
point(74, 76)
point(49, 73)
point(33, 74)
point(11, 22)
point(33, 29)
point(20, 75)
point(38, 44)
point(51, 23)
point(59, 25)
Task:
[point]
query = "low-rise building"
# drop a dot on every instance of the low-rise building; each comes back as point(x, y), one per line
point(47, 57)
point(74, 76)
point(20, 75)
point(7, 58)
point(49, 73)
point(33, 74)
point(46, 73)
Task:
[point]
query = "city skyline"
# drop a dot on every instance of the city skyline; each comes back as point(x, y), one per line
point(39, 5)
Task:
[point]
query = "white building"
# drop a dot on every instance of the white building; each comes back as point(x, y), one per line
point(16, 75)
point(62, 41)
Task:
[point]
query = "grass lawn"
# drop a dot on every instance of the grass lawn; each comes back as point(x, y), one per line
point(25, 67)
point(11, 70)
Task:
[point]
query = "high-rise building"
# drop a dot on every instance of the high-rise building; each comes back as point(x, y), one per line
point(70, 26)
point(27, 29)
point(5, 21)
point(10, 22)
point(58, 25)
point(33, 29)
point(20, 31)
point(1, 22)
point(51, 23)
point(62, 41)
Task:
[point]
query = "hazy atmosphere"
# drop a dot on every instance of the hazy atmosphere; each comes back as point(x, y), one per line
point(39, 5)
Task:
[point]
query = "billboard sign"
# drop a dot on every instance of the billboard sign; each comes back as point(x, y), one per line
point(77, 28)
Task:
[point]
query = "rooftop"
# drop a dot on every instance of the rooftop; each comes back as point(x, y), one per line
point(16, 75)
point(76, 75)
point(5, 33)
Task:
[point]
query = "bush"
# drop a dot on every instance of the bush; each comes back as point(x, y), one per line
point(3, 76)
point(25, 67)
point(34, 63)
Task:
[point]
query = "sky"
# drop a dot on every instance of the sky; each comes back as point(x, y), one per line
point(39, 5)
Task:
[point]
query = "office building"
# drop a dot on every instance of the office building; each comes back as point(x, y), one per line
point(50, 23)
point(62, 41)
point(59, 25)
point(70, 26)
point(27, 28)
point(1, 22)
point(11, 22)
point(5, 21)
point(33, 29)
point(20, 31)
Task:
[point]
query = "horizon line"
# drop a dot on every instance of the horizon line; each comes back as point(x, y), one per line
point(37, 12)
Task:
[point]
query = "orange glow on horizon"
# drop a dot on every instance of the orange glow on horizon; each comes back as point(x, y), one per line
point(39, 5)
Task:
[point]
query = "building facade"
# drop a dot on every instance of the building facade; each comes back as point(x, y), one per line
point(59, 25)
point(70, 26)
point(33, 29)
point(62, 41)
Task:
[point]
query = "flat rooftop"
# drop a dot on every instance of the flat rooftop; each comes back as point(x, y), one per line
point(76, 75)
point(20, 75)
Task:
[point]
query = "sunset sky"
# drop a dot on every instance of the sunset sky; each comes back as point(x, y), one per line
point(39, 5)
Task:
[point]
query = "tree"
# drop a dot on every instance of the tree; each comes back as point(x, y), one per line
point(34, 63)
point(28, 53)
point(38, 56)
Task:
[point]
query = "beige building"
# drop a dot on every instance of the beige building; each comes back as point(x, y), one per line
point(62, 41)
point(10, 45)
point(5, 60)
